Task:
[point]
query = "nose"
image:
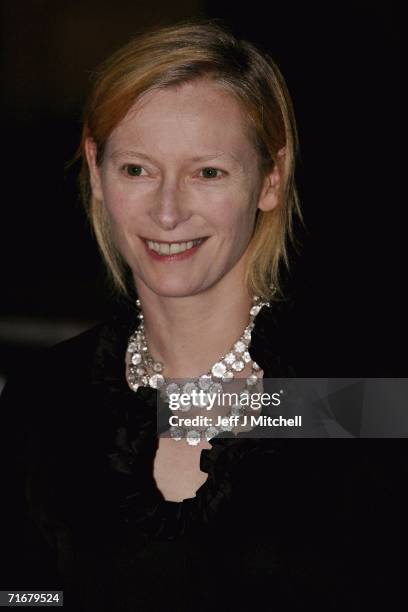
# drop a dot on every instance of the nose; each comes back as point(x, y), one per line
point(171, 205)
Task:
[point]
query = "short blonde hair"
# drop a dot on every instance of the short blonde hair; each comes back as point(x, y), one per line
point(175, 55)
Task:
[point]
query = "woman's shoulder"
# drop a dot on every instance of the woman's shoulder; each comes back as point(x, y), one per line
point(80, 357)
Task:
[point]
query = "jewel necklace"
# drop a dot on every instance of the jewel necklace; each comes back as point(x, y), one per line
point(143, 371)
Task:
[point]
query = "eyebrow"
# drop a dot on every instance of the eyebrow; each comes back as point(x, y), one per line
point(123, 153)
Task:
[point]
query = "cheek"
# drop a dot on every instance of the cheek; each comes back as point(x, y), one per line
point(120, 208)
point(235, 216)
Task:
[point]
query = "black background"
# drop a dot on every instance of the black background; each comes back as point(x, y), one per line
point(342, 63)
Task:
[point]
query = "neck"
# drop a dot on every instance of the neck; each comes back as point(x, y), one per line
point(188, 335)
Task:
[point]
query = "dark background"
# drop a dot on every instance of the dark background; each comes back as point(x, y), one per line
point(342, 64)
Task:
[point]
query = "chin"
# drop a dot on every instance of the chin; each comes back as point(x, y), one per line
point(172, 288)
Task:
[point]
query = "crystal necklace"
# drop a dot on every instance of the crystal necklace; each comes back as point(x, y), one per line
point(143, 371)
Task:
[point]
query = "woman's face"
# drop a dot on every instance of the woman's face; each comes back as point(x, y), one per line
point(180, 168)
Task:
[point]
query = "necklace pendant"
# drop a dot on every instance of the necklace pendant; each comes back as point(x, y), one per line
point(238, 365)
point(240, 346)
point(252, 380)
point(156, 381)
point(218, 370)
point(193, 437)
point(210, 432)
point(225, 425)
point(255, 309)
point(228, 376)
point(189, 387)
point(204, 382)
point(172, 388)
point(136, 358)
point(229, 358)
point(176, 433)
point(236, 410)
point(144, 371)
point(215, 388)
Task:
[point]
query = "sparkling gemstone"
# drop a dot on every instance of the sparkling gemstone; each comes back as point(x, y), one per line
point(156, 381)
point(229, 358)
point(131, 377)
point(140, 316)
point(189, 387)
point(256, 298)
point(136, 358)
point(158, 366)
point(218, 370)
point(238, 365)
point(176, 433)
point(246, 357)
point(145, 381)
point(132, 347)
point(211, 432)
point(183, 407)
point(228, 376)
point(141, 371)
point(135, 386)
point(193, 437)
point(255, 366)
point(227, 426)
point(173, 388)
point(251, 326)
point(215, 388)
point(138, 302)
point(255, 309)
point(236, 409)
point(252, 380)
point(204, 382)
point(240, 346)
point(247, 334)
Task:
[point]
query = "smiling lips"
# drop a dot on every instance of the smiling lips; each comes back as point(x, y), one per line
point(172, 250)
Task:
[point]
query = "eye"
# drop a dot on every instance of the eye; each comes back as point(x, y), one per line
point(133, 170)
point(210, 173)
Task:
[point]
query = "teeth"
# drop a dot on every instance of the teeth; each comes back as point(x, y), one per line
point(173, 248)
point(179, 248)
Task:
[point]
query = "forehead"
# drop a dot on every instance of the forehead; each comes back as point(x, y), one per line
point(196, 114)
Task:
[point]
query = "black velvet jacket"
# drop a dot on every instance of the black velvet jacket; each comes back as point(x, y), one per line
point(280, 524)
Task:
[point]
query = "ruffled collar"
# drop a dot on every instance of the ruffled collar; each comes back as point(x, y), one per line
point(140, 508)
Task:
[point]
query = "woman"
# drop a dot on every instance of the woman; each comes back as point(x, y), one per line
point(188, 152)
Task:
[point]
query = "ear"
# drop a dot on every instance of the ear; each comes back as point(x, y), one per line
point(269, 197)
point(94, 171)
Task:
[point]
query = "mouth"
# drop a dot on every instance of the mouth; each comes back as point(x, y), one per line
point(173, 250)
